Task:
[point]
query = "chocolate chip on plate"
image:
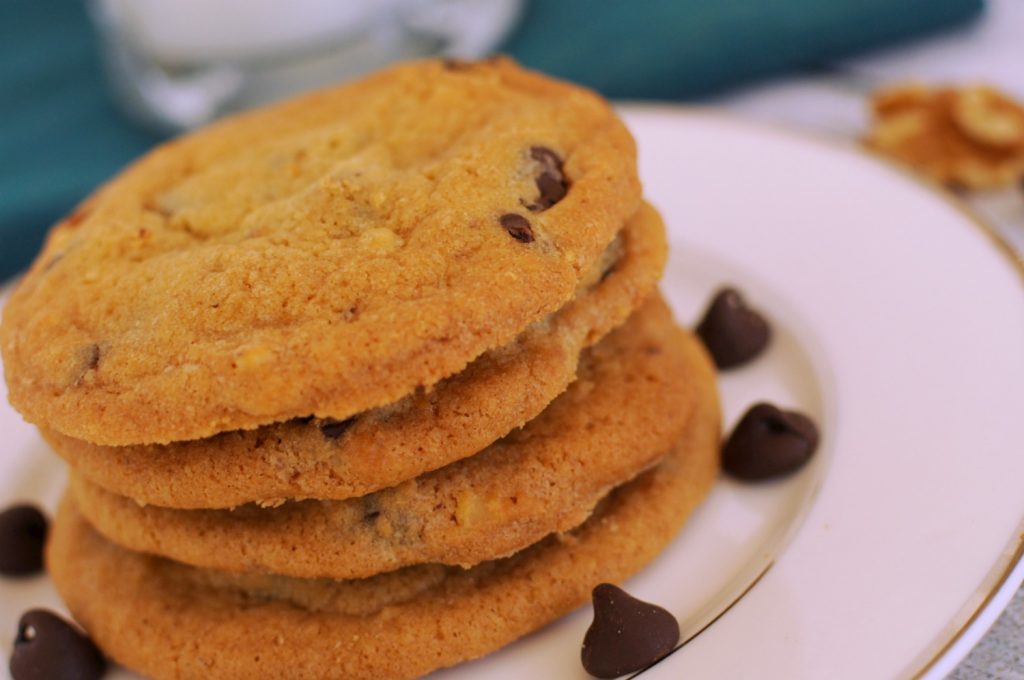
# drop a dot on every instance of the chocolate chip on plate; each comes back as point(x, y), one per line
point(49, 648)
point(627, 634)
point(333, 429)
point(769, 442)
point(733, 332)
point(22, 536)
point(551, 182)
point(518, 227)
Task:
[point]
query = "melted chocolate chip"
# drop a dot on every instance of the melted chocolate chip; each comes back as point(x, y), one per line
point(333, 429)
point(551, 182)
point(769, 442)
point(552, 190)
point(22, 537)
point(733, 332)
point(518, 227)
point(627, 634)
point(546, 157)
point(49, 648)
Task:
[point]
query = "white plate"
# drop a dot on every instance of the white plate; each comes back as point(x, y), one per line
point(899, 327)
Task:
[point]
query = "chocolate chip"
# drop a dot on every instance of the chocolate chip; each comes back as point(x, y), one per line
point(627, 634)
point(371, 508)
point(551, 182)
point(552, 190)
point(49, 648)
point(733, 332)
point(22, 536)
point(518, 227)
point(88, 359)
point(333, 429)
point(769, 442)
point(92, 357)
point(546, 157)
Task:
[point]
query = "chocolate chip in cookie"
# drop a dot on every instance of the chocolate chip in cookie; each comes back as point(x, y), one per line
point(334, 429)
point(551, 182)
point(518, 227)
point(92, 357)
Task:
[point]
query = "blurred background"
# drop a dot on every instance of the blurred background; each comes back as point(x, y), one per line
point(88, 85)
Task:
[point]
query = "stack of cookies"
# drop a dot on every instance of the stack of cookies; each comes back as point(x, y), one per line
point(363, 384)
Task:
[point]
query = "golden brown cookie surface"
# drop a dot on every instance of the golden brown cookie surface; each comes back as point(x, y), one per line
point(322, 256)
point(628, 407)
point(465, 413)
point(195, 630)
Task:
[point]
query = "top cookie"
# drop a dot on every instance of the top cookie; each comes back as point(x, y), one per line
point(321, 256)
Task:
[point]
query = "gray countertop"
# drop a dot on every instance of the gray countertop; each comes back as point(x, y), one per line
point(1000, 654)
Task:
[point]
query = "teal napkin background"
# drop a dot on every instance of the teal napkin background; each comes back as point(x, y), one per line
point(60, 136)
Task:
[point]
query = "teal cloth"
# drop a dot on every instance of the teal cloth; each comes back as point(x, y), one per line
point(60, 135)
point(684, 49)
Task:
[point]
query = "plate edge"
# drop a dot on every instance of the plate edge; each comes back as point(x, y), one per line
point(1007, 574)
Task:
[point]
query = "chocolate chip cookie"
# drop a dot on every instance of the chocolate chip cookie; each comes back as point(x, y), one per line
point(167, 620)
point(335, 460)
point(323, 256)
point(624, 412)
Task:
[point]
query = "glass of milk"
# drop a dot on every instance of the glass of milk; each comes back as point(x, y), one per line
point(176, 65)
